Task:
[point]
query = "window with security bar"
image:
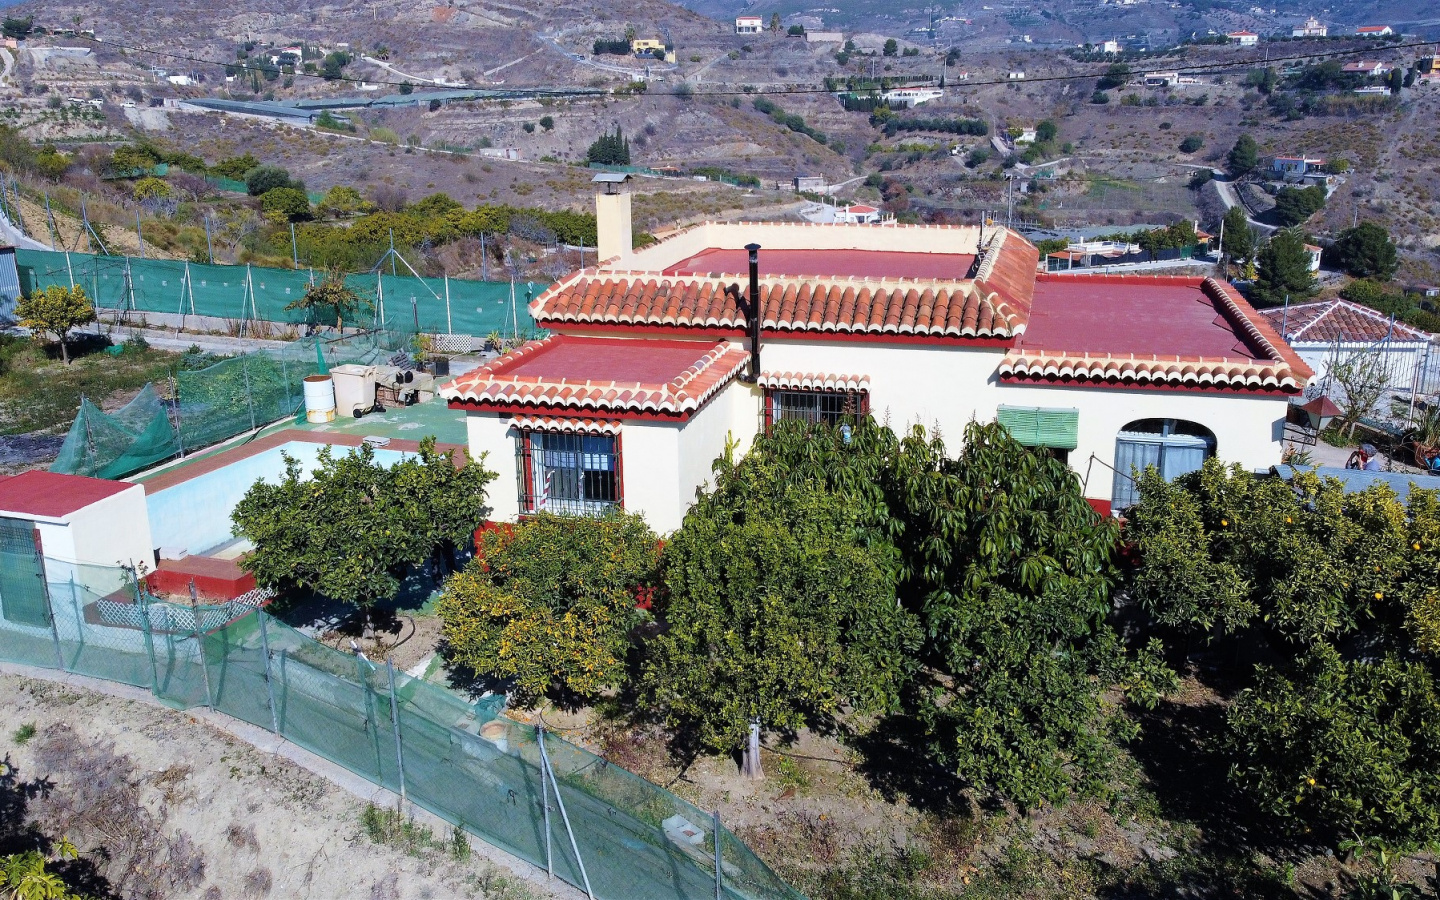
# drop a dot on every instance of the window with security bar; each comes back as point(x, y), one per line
point(816, 407)
point(568, 474)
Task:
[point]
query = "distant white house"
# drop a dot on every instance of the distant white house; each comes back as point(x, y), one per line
point(859, 214)
point(910, 96)
point(1330, 331)
point(1368, 67)
point(1309, 29)
point(1294, 167)
point(815, 183)
point(180, 80)
point(1244, 38)
point(749, 24)
point(1015, 76)
point(1374, 31)
point(1110, 46)
point(1312, 257)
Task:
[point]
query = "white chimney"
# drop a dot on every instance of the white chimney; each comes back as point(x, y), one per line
point(613, 233)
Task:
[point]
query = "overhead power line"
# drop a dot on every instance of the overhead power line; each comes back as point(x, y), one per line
point(1213, 68)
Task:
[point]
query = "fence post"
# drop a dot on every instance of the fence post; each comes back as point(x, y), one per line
point(560, 802)
point(249, 398)
point(719, 878)
point(545, 806)
point(144, 604)
point(449, 325)
point(200, 645)
point(395, 724)
point(50, 607)
point(269, 682)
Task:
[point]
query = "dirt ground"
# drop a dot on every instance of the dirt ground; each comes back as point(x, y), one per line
point(167, 806)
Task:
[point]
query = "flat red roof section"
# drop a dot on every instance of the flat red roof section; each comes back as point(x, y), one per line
point(830, 263)
point(52, 495)
point(1165, 316)
point(610, 359)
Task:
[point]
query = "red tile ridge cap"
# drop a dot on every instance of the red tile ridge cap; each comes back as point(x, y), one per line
point(1244, 315)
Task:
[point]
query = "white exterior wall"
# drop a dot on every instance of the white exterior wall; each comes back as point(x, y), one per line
point(662, 464)
point(493, 443)
point(112, 532)
point(943, 388)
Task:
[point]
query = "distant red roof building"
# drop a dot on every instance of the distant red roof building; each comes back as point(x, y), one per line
point(1328, 321)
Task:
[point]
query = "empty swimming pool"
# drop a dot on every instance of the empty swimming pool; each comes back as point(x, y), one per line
point(194, 515)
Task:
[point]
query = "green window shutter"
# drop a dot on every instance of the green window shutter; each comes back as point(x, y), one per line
point(1036, 426)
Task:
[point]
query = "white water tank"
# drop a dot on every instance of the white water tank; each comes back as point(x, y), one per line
point(319, 398)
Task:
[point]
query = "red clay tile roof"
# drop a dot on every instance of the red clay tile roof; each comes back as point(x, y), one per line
point(1327, 321)
point(814, 381)
point(566, 426)
point(995, 304)
point(616, 375)
point(837, 305)
point(1277, 368)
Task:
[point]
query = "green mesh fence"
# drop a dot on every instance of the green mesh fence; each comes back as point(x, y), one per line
point(430, 305)
point(626, 838)
point(210, 405)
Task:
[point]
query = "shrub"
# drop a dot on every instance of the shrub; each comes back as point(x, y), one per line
point(1192, 144)
point(551, 602)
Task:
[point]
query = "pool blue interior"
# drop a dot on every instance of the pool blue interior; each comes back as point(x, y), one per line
point(195, 514)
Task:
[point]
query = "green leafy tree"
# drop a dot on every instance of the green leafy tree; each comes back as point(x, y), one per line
point(52, 163)
point(23, 876)
point(891, 48)
point(1117, 76)
point(131, 161)
point(1339, 732)
point(776, 611)
point(1243, 157)
point(547, 123)
point(1284, 269)
point(342, 201)
point(17, 28)
point(552, 601)
point(610, 149)
point(333, 66)
point(332, 295)
point(775, 23)
point(286, 204)
point(1046, 131)
point(1295, 205)
point(1013, 574)
point(1192, 144)
point(235, 167)
point(1366, 251)
point(350, 528)
point(151, 188)
point(262, 179)
point(56, 310)
point(1239, 241)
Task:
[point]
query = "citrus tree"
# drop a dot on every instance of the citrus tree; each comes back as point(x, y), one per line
point(551, 602)
point(778, 611)
point(1338, 733)
point(56, 310)
point(351, 527)
point(333, 296)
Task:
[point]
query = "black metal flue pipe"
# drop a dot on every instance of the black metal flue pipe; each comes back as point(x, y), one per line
point(752, 312)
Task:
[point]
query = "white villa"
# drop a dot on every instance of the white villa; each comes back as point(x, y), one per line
point(659, 357)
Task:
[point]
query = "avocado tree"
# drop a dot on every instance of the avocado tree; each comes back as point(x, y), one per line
point(332, 295)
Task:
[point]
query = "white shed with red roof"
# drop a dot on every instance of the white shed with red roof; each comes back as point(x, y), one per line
point(79, 520)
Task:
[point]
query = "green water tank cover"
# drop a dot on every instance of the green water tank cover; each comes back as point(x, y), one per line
point(1036, 426)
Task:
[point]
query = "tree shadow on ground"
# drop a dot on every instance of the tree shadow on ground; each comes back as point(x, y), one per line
point(18, 834)
point(1187, 772)
point(896, 763)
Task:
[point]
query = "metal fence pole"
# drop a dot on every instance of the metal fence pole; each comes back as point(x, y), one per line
point(560, 802)
point(395, 724)
point(149, 636)
point(545, 806)
point(50, 607)
point(269, 684)
point(719, 878)
point(200, 645)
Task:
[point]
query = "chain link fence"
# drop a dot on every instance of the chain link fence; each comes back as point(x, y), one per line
point(598, 827)
point(451, 307)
